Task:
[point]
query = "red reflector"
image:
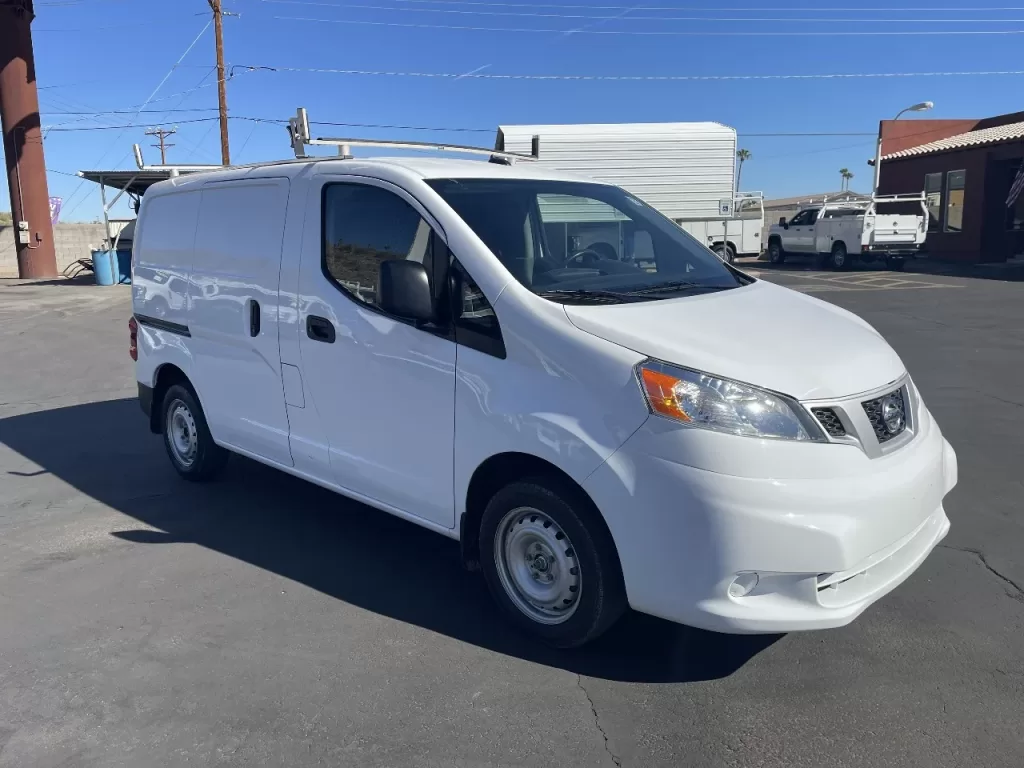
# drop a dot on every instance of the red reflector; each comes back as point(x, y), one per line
point(133, 339)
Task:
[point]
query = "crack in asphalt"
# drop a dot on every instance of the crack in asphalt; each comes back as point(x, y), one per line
point(597, 722)
point(984, 561)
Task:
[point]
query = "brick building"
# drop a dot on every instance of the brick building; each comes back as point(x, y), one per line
point(967, 169)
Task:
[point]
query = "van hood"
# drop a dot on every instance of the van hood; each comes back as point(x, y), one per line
point(761, 334)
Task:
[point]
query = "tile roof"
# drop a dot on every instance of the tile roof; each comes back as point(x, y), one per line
point(1000, 133)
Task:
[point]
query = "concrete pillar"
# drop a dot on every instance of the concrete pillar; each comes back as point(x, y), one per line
point(23, 142)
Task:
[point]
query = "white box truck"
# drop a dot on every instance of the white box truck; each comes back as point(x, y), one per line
point(687, 171)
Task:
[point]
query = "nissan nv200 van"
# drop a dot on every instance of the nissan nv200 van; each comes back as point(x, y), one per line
point(549, 371)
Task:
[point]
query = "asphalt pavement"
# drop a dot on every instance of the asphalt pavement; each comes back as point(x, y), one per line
point(263, 621)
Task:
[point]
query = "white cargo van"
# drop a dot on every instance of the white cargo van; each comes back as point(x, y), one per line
point(598, 416)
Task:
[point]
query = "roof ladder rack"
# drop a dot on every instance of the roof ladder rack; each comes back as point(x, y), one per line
point(298, 129)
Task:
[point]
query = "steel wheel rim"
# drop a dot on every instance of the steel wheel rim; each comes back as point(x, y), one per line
point(182, 435)
point(537, 566)
point(839, 257)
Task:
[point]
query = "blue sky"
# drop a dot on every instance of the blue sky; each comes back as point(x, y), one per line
point(99, 55)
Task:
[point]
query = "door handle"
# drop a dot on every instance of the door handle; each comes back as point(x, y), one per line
point(254, 317)
point(319, 329)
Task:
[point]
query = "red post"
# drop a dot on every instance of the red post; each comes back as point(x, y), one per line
point(23, 142)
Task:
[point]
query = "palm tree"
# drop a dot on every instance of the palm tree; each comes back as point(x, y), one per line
point(849, 175)
point(845, 174)
point(742, 155)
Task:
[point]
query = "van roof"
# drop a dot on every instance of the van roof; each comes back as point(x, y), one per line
point(385, 167)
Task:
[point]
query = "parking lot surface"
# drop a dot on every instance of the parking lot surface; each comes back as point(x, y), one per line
point(263, 621)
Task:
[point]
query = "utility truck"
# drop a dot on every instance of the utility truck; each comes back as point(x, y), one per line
point(840, 233)
point(686, 171)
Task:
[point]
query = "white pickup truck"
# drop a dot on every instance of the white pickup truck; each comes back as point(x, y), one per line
point(841, 233)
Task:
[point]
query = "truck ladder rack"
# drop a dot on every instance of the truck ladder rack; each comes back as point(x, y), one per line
point(298, 129)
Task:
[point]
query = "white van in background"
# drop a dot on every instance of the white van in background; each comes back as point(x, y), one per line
point(602, 423)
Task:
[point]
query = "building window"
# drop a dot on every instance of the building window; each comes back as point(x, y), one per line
point(955, 183)
point(933, 199)
point(1015, 211)
point(364, 226)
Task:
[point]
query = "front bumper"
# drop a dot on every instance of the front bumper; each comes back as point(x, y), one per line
point(826, 538)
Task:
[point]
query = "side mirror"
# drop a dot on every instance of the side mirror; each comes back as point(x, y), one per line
point(403, 289)
point(782, 222)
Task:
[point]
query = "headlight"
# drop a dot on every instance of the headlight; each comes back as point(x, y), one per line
point(723, 405)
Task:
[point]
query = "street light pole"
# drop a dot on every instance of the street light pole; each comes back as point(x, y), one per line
point(924, 106)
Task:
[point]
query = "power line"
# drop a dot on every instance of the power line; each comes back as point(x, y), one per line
point(668, 33)
point(129, 125)
point(634, 78)
point(134, 111)
point(625, 17)
point(141, 107)
point(860, 9)
point(162, 20)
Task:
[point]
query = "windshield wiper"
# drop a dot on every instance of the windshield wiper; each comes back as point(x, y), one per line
point(674, 285)
point(582, 295)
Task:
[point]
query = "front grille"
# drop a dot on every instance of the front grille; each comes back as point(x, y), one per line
point(892, 406)
point(830, 421)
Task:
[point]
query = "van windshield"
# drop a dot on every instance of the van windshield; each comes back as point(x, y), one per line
point(577, 242)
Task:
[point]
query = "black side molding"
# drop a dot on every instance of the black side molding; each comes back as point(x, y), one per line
point(146, 399)
point(163, 325)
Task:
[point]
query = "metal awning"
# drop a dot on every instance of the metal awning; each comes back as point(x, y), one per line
point(134, 183)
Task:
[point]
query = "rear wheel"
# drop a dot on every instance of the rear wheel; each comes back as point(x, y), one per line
point(187, 437)
point(725, 253)
point(839, 259)
point(775, 253)
point(550, 563)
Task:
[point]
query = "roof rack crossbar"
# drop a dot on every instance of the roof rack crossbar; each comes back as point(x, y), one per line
point(298, 129)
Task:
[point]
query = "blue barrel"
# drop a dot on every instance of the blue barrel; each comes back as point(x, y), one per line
point(124, 265)
point(104, 267)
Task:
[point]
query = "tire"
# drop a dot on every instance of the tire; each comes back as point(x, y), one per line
point(550, 563)
point(187, 438)
point(775, 253)
point(726, 254)
point(839, 259)
point(895, 263)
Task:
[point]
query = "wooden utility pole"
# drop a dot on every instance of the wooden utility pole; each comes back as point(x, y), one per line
point(161, 134)
point(222, 86)
point(23, 143)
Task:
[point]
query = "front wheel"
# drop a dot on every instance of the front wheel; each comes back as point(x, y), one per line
point(550, 563)
point(775, 253)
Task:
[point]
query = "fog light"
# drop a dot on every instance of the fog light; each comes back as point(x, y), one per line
point(743, 584)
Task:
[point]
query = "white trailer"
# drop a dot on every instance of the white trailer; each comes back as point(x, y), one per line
point(687, 171)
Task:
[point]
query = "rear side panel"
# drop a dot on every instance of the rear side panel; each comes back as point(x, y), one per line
point(234, 315)
point(163, 250)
